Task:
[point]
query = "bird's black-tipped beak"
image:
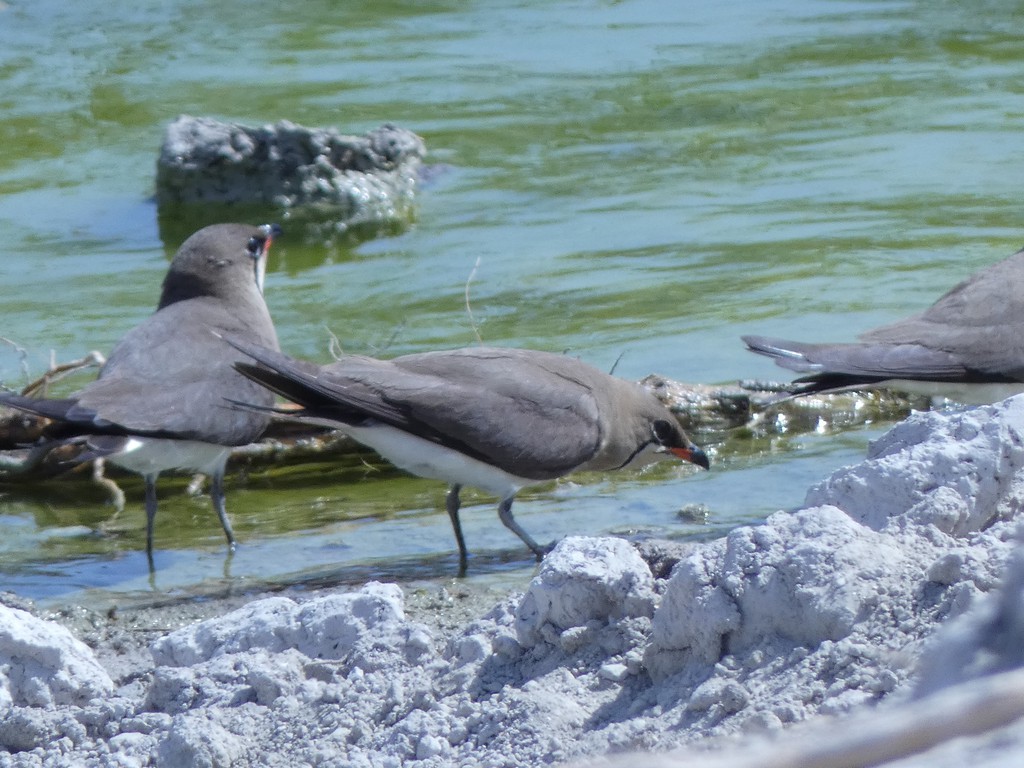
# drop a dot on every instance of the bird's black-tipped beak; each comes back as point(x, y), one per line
point(693, 454)
point(271, 231)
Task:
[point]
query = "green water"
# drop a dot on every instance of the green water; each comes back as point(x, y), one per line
point(637, 179)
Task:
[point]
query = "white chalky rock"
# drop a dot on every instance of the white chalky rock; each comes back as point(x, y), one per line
point(876, 547)
point(327, 628)
point(585, 580)
point(43, 664)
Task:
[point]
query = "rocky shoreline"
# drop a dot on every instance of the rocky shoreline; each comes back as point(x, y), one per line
point(881, 590)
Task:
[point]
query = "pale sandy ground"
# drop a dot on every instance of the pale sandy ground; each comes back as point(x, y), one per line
point(879, 625)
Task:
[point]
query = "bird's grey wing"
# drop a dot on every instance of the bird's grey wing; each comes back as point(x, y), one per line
point(979, 322)
point(334, 392)
point(50, 409)
point(521, 417)
point(175, 384)
point(861, 362)
point(525, 412)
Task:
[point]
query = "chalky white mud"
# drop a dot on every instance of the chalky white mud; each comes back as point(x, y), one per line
point(838, 609)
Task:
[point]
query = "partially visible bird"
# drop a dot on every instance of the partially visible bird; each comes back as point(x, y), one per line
point(492, 418)
point(968, 346)
point(159, 402)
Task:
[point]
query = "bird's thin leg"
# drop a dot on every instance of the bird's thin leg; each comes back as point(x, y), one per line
point(150, 515)
point(217, 497)
point(505, 515)
point(452, 503)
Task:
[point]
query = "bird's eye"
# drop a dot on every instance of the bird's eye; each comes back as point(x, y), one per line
point(254, 247)
point(663, 432)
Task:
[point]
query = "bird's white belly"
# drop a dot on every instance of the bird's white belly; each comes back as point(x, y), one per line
point(427, 459)
point(149, 455)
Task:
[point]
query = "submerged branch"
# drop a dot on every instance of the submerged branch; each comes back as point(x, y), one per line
point(734, 419)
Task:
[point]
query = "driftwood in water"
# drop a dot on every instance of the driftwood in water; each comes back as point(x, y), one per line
point(711, 413)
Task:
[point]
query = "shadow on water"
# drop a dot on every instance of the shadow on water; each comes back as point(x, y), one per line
point(409, 571)
point(327, 236)
point(154, 591)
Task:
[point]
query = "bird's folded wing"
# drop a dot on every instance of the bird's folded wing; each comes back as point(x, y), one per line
point(520, 432)
point(994, 353)
point(174, 384)
point(527, 421)
point(196, 410)
point(877, 362)
point(979, 322)
point(49, 409)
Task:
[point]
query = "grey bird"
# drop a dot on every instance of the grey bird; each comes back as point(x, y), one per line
point(159, 401)
point(492, 418)
point(967, 346)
